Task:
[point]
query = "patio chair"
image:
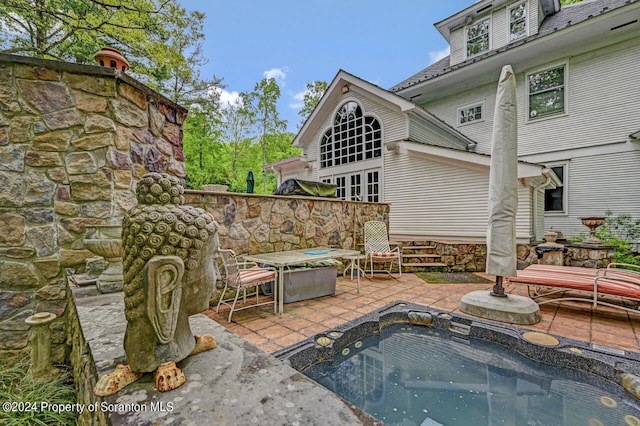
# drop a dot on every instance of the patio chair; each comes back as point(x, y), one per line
point(243, 277)
point(376, 246)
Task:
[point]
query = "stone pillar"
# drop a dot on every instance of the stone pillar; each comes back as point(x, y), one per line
point(550, 252)
point(41, 343)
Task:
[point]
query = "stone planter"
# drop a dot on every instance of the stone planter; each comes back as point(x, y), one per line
point(106, 241)
point(592, 223)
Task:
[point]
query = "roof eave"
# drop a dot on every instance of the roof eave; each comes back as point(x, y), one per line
point(525, 169)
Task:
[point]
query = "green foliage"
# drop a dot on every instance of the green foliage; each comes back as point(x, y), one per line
point(221, 146)
point(17, 386)
point(566, 2)
point(160, 39)
point(620, 231)
point(312, 95)
point(261, 105)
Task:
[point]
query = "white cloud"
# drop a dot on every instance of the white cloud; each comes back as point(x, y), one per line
point(298, 100)
point(278, 74)
point(227, 97)
point(435, 56)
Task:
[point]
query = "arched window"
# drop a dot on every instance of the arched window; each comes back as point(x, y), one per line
point(353, 137)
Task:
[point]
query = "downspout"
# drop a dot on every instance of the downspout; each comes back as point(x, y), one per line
point(545, 173)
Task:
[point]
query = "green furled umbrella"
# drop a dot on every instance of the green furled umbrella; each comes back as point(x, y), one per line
point(250, 182)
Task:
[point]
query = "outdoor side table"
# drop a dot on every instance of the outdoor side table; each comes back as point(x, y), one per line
point(354, 266)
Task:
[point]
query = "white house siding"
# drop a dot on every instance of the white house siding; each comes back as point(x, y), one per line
point(597, 113)
point(447, 110)
point(534, 15)
point(499, 31)
point(603, 99)
point(305, 174)
point(538, 207)
point(457, 43)
point(427, 133)
point(442, 200)
point(597, 184)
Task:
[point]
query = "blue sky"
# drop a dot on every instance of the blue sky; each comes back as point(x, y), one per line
point(297, 41)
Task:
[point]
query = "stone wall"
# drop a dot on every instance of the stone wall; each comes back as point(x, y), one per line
point(251, 224)
point(73, 141)
point(589, 256)
point(471, 257)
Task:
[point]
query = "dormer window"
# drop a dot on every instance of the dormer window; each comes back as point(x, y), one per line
point(478, 37)
point(518, 27)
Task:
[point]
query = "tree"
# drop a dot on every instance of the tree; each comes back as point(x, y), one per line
point(263, 104)
point(312, 95)
point(176, 58)
point(238, 123)
point(72, 30)
point(205, 155)
point(160, 39)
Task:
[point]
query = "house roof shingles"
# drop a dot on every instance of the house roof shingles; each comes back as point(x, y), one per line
point(566, 17)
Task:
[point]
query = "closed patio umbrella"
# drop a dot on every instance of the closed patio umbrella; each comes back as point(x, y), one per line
point(503, 178)
point(503, 205)
point(250, 182)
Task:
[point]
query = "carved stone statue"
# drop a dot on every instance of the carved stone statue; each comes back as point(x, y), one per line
point(168, 258)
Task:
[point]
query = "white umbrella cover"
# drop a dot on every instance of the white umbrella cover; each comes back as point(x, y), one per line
point(503, 178)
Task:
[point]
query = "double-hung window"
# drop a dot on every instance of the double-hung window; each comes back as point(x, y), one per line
point(546, 90)
point(518, 21)
point(478, 37)
point(555, 200)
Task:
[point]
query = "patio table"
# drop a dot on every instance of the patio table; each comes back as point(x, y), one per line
point(283, 259)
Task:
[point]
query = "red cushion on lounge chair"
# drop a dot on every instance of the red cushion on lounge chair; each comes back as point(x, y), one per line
point(577, 279)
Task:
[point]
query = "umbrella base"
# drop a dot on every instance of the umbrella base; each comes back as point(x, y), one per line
point(512, 309)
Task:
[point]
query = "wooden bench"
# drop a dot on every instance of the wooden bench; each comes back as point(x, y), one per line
point(617, 279)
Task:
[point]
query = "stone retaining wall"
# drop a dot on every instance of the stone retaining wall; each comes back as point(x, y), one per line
point(73, 141)
point(471, 257)
point(588, 256)
point(251, 223)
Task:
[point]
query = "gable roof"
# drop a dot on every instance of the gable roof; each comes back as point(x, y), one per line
point(344, 81)
point(567, 17)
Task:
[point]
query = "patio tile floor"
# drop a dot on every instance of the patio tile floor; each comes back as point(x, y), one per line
point(577, 320)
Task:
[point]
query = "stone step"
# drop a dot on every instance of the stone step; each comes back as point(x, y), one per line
point(420, 255)
point(418, 247)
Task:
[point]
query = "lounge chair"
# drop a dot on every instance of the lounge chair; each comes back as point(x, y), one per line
point(244, 276)
point(617, 279)
point(376, 246)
